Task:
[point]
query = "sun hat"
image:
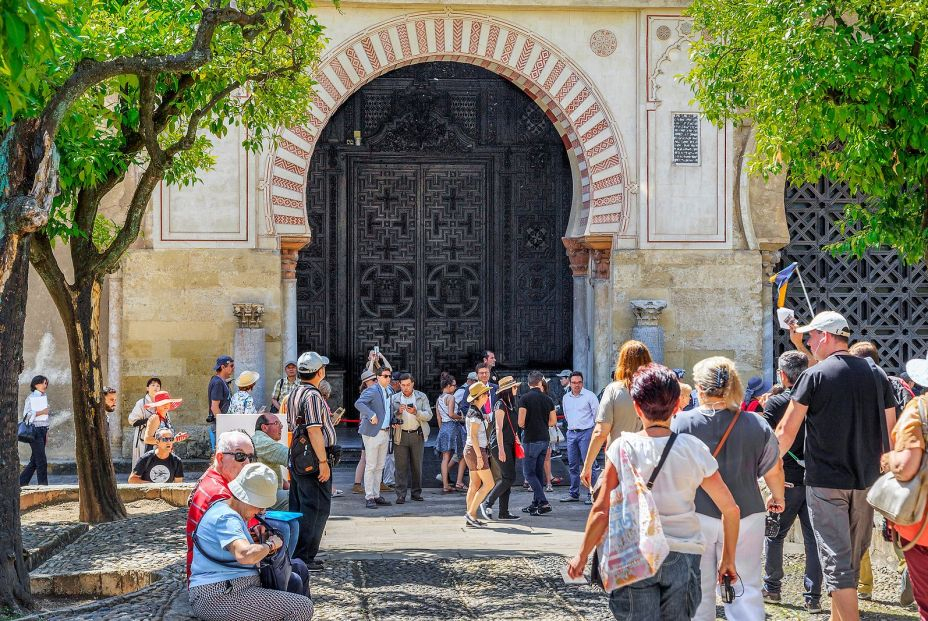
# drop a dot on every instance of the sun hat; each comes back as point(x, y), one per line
point(162, 399)
point(367, 375)
point(310, 362)
point(255, 485)
point(247, 378)
point(827, 321)
point(756, 386)
point(472, 376)
point(506, 383)
point(564, 373)
point(476, 390)
point(221, 361)
point(917, 368)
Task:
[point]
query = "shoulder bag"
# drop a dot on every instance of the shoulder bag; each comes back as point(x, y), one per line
point(628, 554)
point(25, 432)
point(731, 425)
point(904, 502)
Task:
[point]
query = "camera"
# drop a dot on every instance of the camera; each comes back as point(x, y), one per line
point(727, 591)
point(772, 525)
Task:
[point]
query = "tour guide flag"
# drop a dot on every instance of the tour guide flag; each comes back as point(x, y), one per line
point(780, 279)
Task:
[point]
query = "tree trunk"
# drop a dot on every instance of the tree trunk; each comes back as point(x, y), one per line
point(15, 596)
point(99, 498)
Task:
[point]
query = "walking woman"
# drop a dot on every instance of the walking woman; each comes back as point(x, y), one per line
point(475, 452)
point(746, 449)
point(451, 438)
point(616, 411)
point(35, 411)
point(503, 450)
point(674, 591)
point(139, 416)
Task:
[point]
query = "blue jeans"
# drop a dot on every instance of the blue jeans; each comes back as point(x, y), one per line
point(299, 578)
point(289, 532)
point(674, 592)
point(578, 442)
point(773, 567)
point(212, 437)
point(533, 468)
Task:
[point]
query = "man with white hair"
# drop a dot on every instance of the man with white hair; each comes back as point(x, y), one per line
point(234, 451)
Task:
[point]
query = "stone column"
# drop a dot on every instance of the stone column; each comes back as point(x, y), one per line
point(769, 260)
point(114, 361)
point(248, 347)
point(579, 257)
point(647, 328)
point(601, 336)
point(288, 347)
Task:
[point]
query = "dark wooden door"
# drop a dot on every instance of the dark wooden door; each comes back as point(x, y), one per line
point(439, 235)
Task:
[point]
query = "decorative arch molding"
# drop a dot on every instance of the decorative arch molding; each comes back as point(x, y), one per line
point(545, 73)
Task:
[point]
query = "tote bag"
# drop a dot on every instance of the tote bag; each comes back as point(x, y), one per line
point(634, 545)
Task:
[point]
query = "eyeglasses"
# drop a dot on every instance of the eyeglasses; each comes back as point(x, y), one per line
point(240, 456)
point(171, 439)
point(276, 421)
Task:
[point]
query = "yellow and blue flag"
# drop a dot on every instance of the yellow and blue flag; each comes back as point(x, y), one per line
point(780, 279)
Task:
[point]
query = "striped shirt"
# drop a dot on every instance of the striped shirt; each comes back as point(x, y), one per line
point(305, 406)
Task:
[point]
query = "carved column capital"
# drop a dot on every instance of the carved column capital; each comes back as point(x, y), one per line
point(601, 247)
point(648, 312)
point(768, 259)
point(578, 255)
point(290, 246)
point(249, 315)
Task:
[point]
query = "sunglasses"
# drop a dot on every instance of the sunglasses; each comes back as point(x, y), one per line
point(240, 456)
point(386, 375)
point(171, 439)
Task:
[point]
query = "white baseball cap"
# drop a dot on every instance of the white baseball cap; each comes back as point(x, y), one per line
point(827, 321)
point(310, 362)
point(917, 368)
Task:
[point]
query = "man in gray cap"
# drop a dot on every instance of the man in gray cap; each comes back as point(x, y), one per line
point(284, 385)
point(310, 492)
point(849, 409)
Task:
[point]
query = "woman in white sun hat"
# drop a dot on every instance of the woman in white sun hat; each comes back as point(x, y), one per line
point(242, 401)
point(224, 582)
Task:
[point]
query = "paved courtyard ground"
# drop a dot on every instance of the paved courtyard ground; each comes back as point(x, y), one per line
point(411, 562)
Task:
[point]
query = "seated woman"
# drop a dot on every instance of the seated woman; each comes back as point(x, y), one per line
point(674, 590)
point(224, 582)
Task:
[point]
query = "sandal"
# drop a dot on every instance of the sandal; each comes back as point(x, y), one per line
point(460, 487)
point(556, 481)
point(447, 490)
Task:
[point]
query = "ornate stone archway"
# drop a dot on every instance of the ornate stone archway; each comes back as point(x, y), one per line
point(539, 68)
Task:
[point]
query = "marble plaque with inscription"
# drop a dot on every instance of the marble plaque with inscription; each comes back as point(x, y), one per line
point(686, 139)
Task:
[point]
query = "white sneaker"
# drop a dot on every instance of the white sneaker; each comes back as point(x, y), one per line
point(485, 511)
point(549, 488)
point(438, 477)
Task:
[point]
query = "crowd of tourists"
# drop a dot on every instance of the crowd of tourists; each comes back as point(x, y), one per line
point(700, 486)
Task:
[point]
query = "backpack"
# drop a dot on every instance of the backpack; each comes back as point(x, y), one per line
point(461, 407)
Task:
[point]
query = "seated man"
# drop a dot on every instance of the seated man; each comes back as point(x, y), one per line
point(160, 465)
point(273, 454)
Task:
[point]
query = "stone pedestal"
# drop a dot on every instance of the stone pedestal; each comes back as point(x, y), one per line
point(647, 328)
point(248, 347)
point(114, 360)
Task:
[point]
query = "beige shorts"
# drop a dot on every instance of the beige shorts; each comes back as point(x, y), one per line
point(470, 458)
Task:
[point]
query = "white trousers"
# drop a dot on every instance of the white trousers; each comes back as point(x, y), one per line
point(375, 450)
point(749, 600)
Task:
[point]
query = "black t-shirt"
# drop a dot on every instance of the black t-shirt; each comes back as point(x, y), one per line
point(156, 470)
point(773, 412)
point(844, 424)
point(538, 407)
point(510, 422)
point(219, 391)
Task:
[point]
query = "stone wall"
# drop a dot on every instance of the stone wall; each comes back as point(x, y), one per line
point(713, 303)
point(177, 319)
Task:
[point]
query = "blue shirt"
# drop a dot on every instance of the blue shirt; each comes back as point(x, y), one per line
point(386, 408)
point(217, 529)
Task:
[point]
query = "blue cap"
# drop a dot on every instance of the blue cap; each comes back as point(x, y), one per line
point(221, 361)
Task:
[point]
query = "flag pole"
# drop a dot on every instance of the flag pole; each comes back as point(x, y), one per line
point(804, 292)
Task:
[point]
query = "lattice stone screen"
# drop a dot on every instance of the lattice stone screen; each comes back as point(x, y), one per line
point(883, 300)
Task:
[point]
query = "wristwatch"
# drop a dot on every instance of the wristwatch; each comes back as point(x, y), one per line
point(270, 547)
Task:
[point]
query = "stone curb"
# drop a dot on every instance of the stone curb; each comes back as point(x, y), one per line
point(175, 494)
point(67, 534)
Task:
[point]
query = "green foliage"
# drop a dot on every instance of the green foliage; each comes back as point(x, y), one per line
point(834, 88)
point(28, 32)
point(258, 76)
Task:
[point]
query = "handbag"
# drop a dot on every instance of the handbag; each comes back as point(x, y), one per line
point(25, 432)
point(634, 546)
point(904, 502)
point(517, 450)
point(273, 570)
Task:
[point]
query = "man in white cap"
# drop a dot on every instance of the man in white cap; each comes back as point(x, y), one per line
point(849, 409)
point(311, 493)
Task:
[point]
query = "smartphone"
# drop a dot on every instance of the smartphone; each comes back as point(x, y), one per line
point(568, 580)
point(376, 349)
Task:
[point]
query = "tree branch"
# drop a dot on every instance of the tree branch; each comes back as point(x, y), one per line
point(43, 260)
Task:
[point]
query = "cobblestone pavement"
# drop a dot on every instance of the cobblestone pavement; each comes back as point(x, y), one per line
point(405, 563)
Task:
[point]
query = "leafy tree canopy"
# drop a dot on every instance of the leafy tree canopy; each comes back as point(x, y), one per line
point(834, 88)
point(179, 73)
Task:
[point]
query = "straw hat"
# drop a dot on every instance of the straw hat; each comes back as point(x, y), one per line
point(163, 399)
point(917, 368)
point(506, 383)
point(367, 375)
point(247, 378)
point(476, 390)
point(255, 485)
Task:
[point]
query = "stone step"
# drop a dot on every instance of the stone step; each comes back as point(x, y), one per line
point(43, 540)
